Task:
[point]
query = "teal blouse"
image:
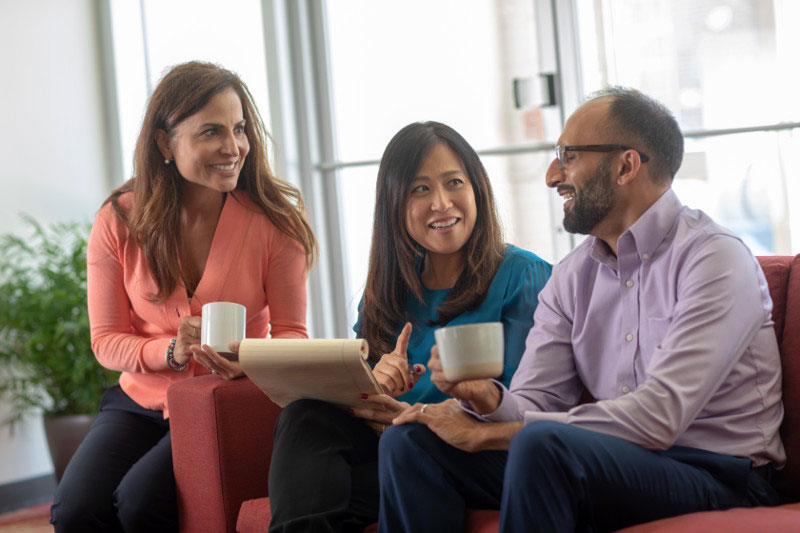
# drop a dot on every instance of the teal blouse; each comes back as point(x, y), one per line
point(512, 299)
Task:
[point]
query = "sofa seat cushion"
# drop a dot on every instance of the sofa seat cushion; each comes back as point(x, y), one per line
point(254, 516)
point(739, 520)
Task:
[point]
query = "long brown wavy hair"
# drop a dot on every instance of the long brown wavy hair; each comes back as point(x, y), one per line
point(394, 257)
point(154, 219)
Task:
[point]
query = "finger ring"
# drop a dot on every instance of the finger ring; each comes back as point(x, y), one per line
point(213, 371)
point(422, 409)
point(194, 333)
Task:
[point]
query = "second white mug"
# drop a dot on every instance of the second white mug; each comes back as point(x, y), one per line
point(223, 323)
point(471, 351)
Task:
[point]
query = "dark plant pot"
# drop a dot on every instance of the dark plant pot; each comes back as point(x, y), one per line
point(64, 434)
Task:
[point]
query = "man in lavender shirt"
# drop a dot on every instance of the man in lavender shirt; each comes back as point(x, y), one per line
point(661, 315)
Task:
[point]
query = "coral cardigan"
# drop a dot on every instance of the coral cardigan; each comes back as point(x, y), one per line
point(250, 262)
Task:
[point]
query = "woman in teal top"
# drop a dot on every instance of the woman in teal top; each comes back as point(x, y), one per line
point(512, 297)
point(437, 258)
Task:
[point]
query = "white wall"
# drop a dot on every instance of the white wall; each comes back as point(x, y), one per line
point(52, 146)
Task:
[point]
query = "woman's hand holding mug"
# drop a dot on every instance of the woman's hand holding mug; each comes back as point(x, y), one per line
point(188, 335)
point(224, 368)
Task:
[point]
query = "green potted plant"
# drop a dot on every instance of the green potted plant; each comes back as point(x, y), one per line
point(46, 360)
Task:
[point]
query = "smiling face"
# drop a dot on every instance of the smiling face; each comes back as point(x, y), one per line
point(588, 206)
point(440, 209)
point(210, 146)
point(585, 182)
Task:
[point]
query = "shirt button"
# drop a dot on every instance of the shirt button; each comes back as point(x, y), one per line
point(629, 283)
point(645, 256)
point(629, 337)
point(626, 389)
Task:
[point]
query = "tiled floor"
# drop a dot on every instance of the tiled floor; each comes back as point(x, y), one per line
point(31, 520)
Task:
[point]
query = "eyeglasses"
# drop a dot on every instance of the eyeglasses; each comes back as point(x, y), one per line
point(561, 151)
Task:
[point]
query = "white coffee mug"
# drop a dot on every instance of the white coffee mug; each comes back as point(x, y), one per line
point(471, 351)
point(223, 323)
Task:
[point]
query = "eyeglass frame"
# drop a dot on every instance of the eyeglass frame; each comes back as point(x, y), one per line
point(561, 151)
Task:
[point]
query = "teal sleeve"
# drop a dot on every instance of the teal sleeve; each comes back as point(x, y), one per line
point(357, 325)
point(518, 308)
point(357, 328)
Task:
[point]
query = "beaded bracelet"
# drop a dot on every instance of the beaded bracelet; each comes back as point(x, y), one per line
point(171, 362)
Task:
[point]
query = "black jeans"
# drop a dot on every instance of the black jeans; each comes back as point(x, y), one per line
point(121, 478)
point(324, 470)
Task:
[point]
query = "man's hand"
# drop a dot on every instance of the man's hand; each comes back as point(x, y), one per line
point(482, 394)
point(458, 428)
point(393, 372)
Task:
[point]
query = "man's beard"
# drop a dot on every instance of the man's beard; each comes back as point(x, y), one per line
point(594, 201)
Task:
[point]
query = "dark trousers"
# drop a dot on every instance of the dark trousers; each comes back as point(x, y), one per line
point(555, 477)
point(324, 470)
point(121, 478)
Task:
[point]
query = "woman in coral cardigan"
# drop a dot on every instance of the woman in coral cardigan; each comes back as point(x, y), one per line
point(203, 220)
point(437, 259)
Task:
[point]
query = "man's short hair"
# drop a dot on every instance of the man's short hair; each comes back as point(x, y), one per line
point(648, 126)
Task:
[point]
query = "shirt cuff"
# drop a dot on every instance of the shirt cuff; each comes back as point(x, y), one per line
point(506, 411)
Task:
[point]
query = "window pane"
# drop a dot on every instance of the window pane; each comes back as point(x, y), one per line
point(746, 183)
point(453, 61)
point(715, 64)
point(230, 34)
point(131, 76)
point(175, 32)
point(357, 196)
point(528, 209)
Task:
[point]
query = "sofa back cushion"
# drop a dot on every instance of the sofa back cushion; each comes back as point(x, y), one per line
point(783, 277)
point(790, 362)
point(776, 270)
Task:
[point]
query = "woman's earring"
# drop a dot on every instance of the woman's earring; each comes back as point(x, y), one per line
point(166, 161)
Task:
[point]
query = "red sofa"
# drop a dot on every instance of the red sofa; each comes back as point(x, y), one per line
point(222, 442)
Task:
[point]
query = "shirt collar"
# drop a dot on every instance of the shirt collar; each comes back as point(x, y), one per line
point(645, 234)
point(653, 226)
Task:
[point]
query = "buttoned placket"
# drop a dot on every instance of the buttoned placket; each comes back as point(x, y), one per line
point(628, 262)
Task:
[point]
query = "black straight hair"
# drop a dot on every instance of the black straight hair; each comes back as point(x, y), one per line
point(394, 255)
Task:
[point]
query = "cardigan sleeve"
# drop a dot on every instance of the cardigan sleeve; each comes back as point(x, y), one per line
point(114, 341)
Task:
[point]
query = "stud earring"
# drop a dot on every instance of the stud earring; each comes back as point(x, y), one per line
point(166, 161)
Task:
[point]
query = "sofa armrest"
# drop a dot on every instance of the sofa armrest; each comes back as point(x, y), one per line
point(221, 448)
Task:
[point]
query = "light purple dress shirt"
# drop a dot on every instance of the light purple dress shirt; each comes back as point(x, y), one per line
point(673, 337)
